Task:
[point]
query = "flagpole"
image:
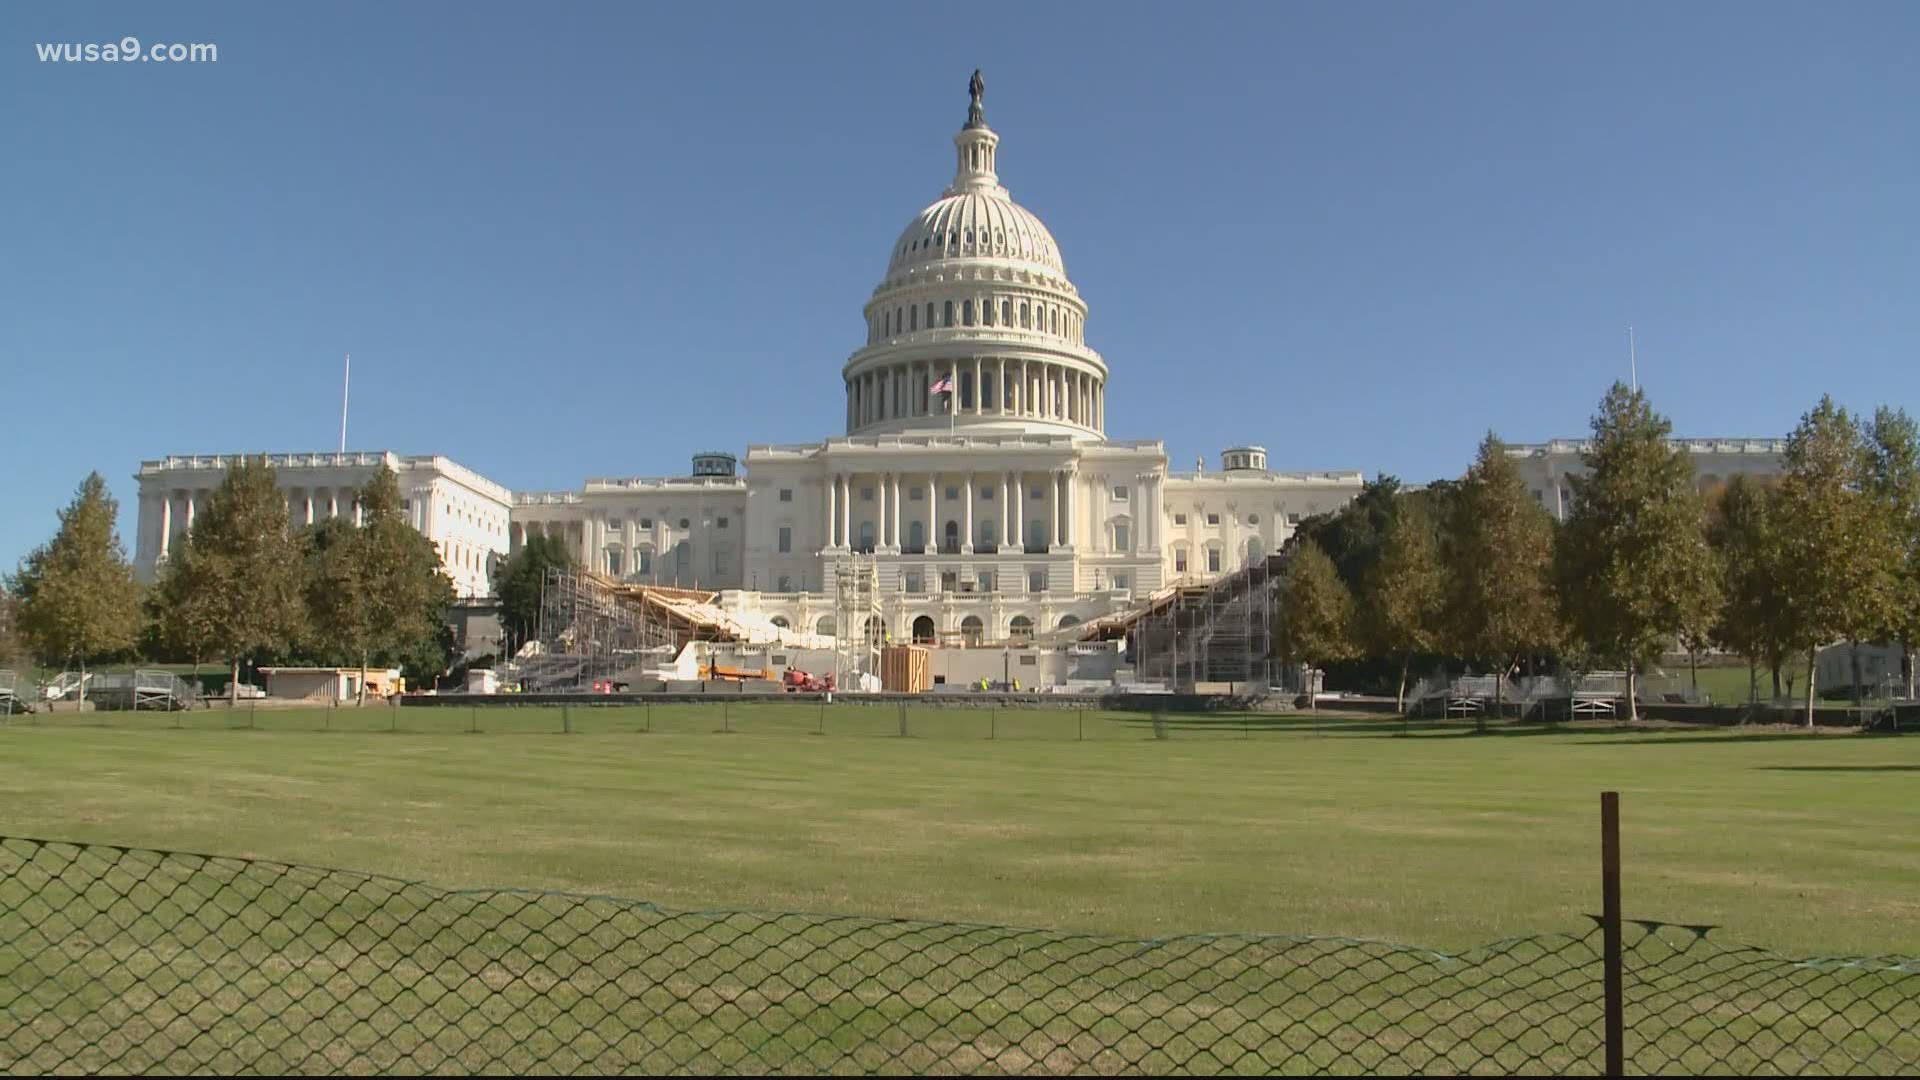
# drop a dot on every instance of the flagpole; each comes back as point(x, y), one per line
point(346, 384)
point(1633, 359)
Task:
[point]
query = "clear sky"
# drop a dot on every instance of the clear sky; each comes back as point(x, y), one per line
point(571, 239)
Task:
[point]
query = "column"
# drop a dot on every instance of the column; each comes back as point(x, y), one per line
point(979, 401)
point(846, 509)
point(1070, 527)
point(166, 522)
point(1053, 509)
point(1019, 508)
point(1020, 388)
point(880, 522)
point(832, 504)
point(190, 504)
point(1006, 509)
point(966, 519)
point(894, 502)
point(933, 512)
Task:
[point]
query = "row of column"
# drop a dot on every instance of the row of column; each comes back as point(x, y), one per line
point(997, 387)
point(301, 508)
point(1062, 509)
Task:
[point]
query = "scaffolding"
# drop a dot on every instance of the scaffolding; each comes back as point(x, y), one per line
point(1198, 637)
point(587, 632)
point(859, 623)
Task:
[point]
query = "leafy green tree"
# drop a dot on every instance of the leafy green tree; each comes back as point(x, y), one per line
point(1404, 600)
point(1751, 620)
point(181, 617)
point(244, 578)
point(1893, 481)
point(1501, 604)
point(1316, 623)
point(1634, 565)
point(377, 590)
point(1831, 537)
point(77, 599)
point(518, 585)
point(1354, 536)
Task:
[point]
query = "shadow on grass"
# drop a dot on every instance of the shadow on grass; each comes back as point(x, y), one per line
point(1839, 768)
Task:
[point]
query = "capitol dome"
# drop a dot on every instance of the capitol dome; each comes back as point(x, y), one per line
point(975, 324)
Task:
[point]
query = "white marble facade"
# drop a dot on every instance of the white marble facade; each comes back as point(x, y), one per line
point(463, 513)
point(1548, 468)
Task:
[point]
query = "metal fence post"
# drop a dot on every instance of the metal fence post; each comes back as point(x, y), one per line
point(649, 717)
point(1610, 931)
point(726, 716)
point(903, 720)
point(566, 718)
point(473, 719)
point(249, 716)
point(821, 727)
point(1082, 734)
point(993, 724)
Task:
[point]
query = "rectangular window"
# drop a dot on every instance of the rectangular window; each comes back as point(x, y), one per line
point(723, 523)
point(720, 560)
point(1120, 537)
point(986, 581)
point(1180, 561)
point(1213, 560)
point(1213, 519)
point(786, 585)
point(1539, 496)
point(1036, 581)
point(1120, 494)
point(786, 541)
point(986, 493)
point(682, 555)
point(1179, 519)
point(643, 561)
point(915, 582)
point(1028, 659)
point(1039, 492)
point(646, 523)
point(949, 581)
point(866, 494)
point(615, 525)
point(914, 494)
point(1119, 581)
point(1293, 519)
point(786, 494)
point(953, 493)
point(613, 563)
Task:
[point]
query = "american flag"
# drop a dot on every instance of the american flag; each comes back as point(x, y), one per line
point(942, 385)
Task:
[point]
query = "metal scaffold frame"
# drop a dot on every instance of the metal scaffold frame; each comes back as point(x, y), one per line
point(1217, 632)
point(587, 631)
point(859, 624)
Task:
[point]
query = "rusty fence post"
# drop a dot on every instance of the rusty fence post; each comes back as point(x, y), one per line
point(1610, 931)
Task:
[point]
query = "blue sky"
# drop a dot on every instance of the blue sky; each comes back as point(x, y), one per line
point(565, 240)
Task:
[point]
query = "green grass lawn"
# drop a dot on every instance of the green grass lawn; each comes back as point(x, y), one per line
point(1295, 825)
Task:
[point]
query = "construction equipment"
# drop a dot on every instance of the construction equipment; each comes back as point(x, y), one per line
point(728, 674)
point(801, 682)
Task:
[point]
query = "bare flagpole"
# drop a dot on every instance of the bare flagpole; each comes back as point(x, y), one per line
point(1633, 360)
point(346, 384)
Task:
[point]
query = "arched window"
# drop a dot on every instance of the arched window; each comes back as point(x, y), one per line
point(1068, 620)
point(781, 622)
point(966, 313)
point(1053, 320)
point(916, 538)
point(986, 313)
point(952, 542)
point(923, 630)
point(824, 626)
point(1020, 630)
point(913, 318)
point(970, 629)
point(929, 314)
point(898, 326)
point(1255, 549)
point(986, 534)
point(1006, 313)
point(1026, 316)
point(948, 321)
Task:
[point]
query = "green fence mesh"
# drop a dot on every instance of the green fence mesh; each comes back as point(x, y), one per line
point(119, 960)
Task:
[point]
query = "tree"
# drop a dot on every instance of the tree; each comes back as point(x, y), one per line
point(1893, 471)
point(1832, 543)
point(1634, 566)
point(1751, 618)
point(1316, 611)
point(239, 589)
point(1404, 599)
point(1355, 535)
point(1501, 605)
point(77, 597)
point(520, 581)
point(377, 589)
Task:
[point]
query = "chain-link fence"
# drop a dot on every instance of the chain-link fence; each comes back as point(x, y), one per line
point(118, 960)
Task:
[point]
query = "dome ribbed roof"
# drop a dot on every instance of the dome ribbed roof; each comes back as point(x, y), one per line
point(975, 224)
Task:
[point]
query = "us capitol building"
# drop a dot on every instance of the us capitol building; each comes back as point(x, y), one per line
point(975, 471)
